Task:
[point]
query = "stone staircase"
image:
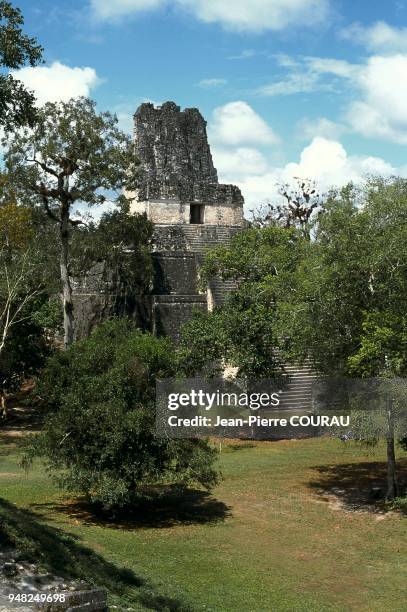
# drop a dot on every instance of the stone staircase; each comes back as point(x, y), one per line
point(297, 394)
point(219, 290)
point(201, 238)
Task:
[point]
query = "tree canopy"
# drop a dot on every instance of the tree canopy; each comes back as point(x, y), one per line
point(333, 292)
point(99, 438)
point(72, 156)
point(17, 49)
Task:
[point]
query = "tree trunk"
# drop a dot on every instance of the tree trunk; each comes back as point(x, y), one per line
point(66, 283)
point(392, 488)
point(3, 403)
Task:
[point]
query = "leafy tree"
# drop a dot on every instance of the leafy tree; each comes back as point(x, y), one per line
point(16, 50)
point(72, 155)
point(99, 437)
point(122, 243)
point(242, 333)
point(16, 290)
point(338, 298)
point(347, 311)
point(24, 280)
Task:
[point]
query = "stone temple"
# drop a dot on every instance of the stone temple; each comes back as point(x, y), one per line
point(192, 212)
point(179, 190)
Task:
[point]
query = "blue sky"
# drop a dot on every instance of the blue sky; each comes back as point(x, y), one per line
point(288, 87)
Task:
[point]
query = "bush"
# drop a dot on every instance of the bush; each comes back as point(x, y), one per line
point(98, 439)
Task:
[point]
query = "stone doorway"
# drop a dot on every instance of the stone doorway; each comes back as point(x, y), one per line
point(196, 214)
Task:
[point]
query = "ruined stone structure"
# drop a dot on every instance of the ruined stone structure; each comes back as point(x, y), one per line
point(180, 193)
point(192, 212)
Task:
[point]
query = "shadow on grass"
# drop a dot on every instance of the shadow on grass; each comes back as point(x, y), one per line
point(357, 486)
point(239, 447)
point(62, 554)
point(170, 508)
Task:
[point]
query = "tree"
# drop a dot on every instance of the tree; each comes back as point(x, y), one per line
point(72, 156)
point(347, 309)
point(337, 298)
point(242, 333)
point(122, 242)
point(23, 284)
point(301, 201)
point(16, 50)
point(99, 437)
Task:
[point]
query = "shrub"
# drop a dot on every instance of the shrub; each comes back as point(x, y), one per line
point(98, 439)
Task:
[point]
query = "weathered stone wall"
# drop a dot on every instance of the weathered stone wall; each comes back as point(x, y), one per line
point(172, 145)
point(178, 253)
point(176, 169)
point(98, 296)
point(175, 212)
point(170, 312)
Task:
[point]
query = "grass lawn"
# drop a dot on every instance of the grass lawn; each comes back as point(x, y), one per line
point(285, 530)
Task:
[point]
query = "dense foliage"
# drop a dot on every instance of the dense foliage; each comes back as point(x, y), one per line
point(243, 332)
point(347, 307)
point(99, 435)
point(16, 50)
point(122, 242)
point(72, 155)
point(28, 314)
point(333, 291)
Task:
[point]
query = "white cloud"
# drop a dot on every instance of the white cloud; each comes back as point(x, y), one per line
point(211, 83)
point(298, 82)
point(380, 85)
point(113, 9)
point(237, 123)
point(239, 162)
point(377, 89)
point(327, 65)
point(259, 15)
point(306, 74)
point(57, 82)
point(241, 15)
point(382, 110)
point(379, 37)
point(325, 161)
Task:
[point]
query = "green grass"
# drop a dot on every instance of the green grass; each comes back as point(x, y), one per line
point(286, 530)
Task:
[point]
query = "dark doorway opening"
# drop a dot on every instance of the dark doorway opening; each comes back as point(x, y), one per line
point(196, 214)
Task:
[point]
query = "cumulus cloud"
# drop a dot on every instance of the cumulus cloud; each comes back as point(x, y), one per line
point(323, 160)
point(379, 37)
point(57, 82)
point(239, 162)
point(237, 123)
point(328, 162)
point(244, 15)
point(382, 110)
